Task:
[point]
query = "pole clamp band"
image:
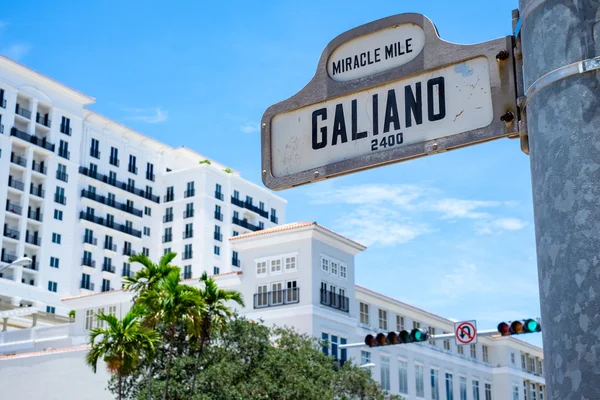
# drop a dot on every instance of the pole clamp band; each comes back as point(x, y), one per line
point(528, 9)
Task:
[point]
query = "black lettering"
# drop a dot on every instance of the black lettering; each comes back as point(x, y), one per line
point(339, 126)
point(363, 61)
point(389, 51)
point(356, 62)
point(355, 134)
point(408, 49)
point(413, 104)
point(441, 99)
point(391, 112)
point(348, 63)
point(337, 67)
point(377, 55)
point(400, 52)
point(369, 61)
point(375, 114)
point(316, 144)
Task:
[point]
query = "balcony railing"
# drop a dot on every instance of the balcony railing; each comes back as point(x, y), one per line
point(188, 234)
point(33, 239)
point(34, 266)
point(11, 233)
point(218, 216)
point(3, 103)
point(335, 300)
point(38, 167)
point(1, 128)
point(7, 257)
point(62, 176)
point(121, 185)
point(245, 224)
point(237, 202)
point(218, 236)
point(42, 142)
point(150, 176)
point(169, 197)
point(252, 207)
point(127, 251)
point(95, 153)
point(236, 262)
point(23, 112)
point(64, 154)
point(90, 240)
point(34, 215)
point(60, 199)
point(66, 130)
point(168, 218)
point(111, 203)
point(277, 298)
point(105, 287)
point(16, 184)
point(18, 159)
point(87, 285)
point(274, 219)
point(110, 247)
point(132, 168)
point(187, 255)
point(126, 272)
point(188, 214)
point(36, 191)
point(108, 268)
point(219, 195)
point(43, 120)
point(109, 224)
point(189, 193)
point(13, 208)
point(167, 238)
point(113, 161)
point(88, 262)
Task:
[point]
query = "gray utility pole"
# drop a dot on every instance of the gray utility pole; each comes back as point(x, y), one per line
point(563, 117)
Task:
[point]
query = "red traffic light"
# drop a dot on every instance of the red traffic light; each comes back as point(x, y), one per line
point(370, 341)
point(504, 329)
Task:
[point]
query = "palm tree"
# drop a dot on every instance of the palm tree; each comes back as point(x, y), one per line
point(171, 303)
point(121, 344)
point(215, 313)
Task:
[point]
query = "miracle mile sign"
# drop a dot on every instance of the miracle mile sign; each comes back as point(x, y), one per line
point(385, 92)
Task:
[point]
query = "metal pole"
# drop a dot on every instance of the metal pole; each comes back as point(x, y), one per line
point(564, 143)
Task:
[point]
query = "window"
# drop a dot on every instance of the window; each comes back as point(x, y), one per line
point(532, 365)
point(276, 266)
point(524, 390)
point(147, 211)
point(533, 392)
point(516, 393)
point(65, 126)
point(261, 268)
point(189, 210)
point(385, 372)
point(512, 358)
point(325, 345)
point(89, 318)
point(150, 172)
point(146, 251)
point(56, 238)
point(462, 380)
point(132, 168)
point(523, 362)
point(261, 205)
point(146, 231)
point(170, 194)
point(114, 156)
point(431, 333)
point(449, 387)
point(476, 390)
point(485, 353)
point(97, 322)
point(105, 285)
point(63, 150)
point(248, 199)
point(343, 271)
point(334, 268)
point(382, 319)
point(461, 350)
point(130, 184)
point(290, 263)
point(190, 191)
point(325, 265)
point(364, 313)
point(217, 250)
point(112, 310)
point(112, 177)
point(189, 231)
point(126, 269)
point(54, 262)
point(473, 350)
point(365, 357)
point(447, 344)
point(261, 296)
point(540, 367)
point(216, 270)
point(291, 291)
point(167, 250)
point(52, 286)
point(95, 148)
point(59, 196)
point(416, 325)
point(261, 225)
point(399, 323)
point(435, 385)
point(419, 383)
point(236, 195)
point(58, 215)
point(541, 392)
point(187, 252)
point(187, 272)
point(51, 310)
point(488, 391)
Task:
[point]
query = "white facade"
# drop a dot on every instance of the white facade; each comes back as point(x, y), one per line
point(283, 277)
point(82, 192)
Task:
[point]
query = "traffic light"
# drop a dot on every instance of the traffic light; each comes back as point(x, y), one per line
point(392, 338)
point(519, 327)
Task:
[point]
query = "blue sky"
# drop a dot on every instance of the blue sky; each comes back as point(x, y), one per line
point(452, 233)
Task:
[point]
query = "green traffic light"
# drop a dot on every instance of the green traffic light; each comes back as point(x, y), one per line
point(418, 336)
point(531, 325)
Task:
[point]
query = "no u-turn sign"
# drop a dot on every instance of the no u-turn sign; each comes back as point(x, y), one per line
point(465, 332)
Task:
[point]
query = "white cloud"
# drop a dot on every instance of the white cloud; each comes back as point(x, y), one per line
point(500, 224)
point(457, 208)
point(250, 127)
point(398, 195)
point(147, 115)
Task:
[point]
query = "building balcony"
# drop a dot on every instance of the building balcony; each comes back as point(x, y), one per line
point(167, 238)
point(114, 204)
point(245, 224)
point(18, 159)
point(127, 251)
point(187, 255)
point(42, 142)
point(253, 208)
point(188, 234)
point(126, 272)
point(60, 199)
point(236, 262)
point(169, 197)
point(34, 215)
point(218, 216)
point(33, 239)
point(13, 208)
point(121, 185)
point(335, 300)
point(277, 298)
point(132, 168)
point(110, 247)
point(188, 214)
point(38, 167)
point(108, 268)
point(95, 153)
point(150, 176)
point(90, 240)
point(168, 218)
point(108, 224)
point(237, 202)
point(62, 176)
point(106, 288)
point(43, 120)
point(11, 233)
point(8, 257)
point(88, 262)
point(34, 266)
point(36, 191)
point(64, 154)
point(274, 219)
point(87, 285)
point(15, 184)
point(218, 236)
point(23, 112)
point(113, 161)
point(219, 195)
point(66, 130)
point(189, 193)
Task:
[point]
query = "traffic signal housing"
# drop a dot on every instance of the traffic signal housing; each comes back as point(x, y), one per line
point(393, 338)
point(519, 327)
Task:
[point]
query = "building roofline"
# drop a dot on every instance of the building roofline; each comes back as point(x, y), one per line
point(83, 98)
point(45, 352)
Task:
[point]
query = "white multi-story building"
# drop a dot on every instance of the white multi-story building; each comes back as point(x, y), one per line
point(300, 275)
point(83, 192)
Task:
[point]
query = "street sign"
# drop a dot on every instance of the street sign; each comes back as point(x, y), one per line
point(465, 332)
point(385, 92)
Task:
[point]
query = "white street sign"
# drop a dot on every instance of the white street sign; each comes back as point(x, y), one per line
point(465, 332)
